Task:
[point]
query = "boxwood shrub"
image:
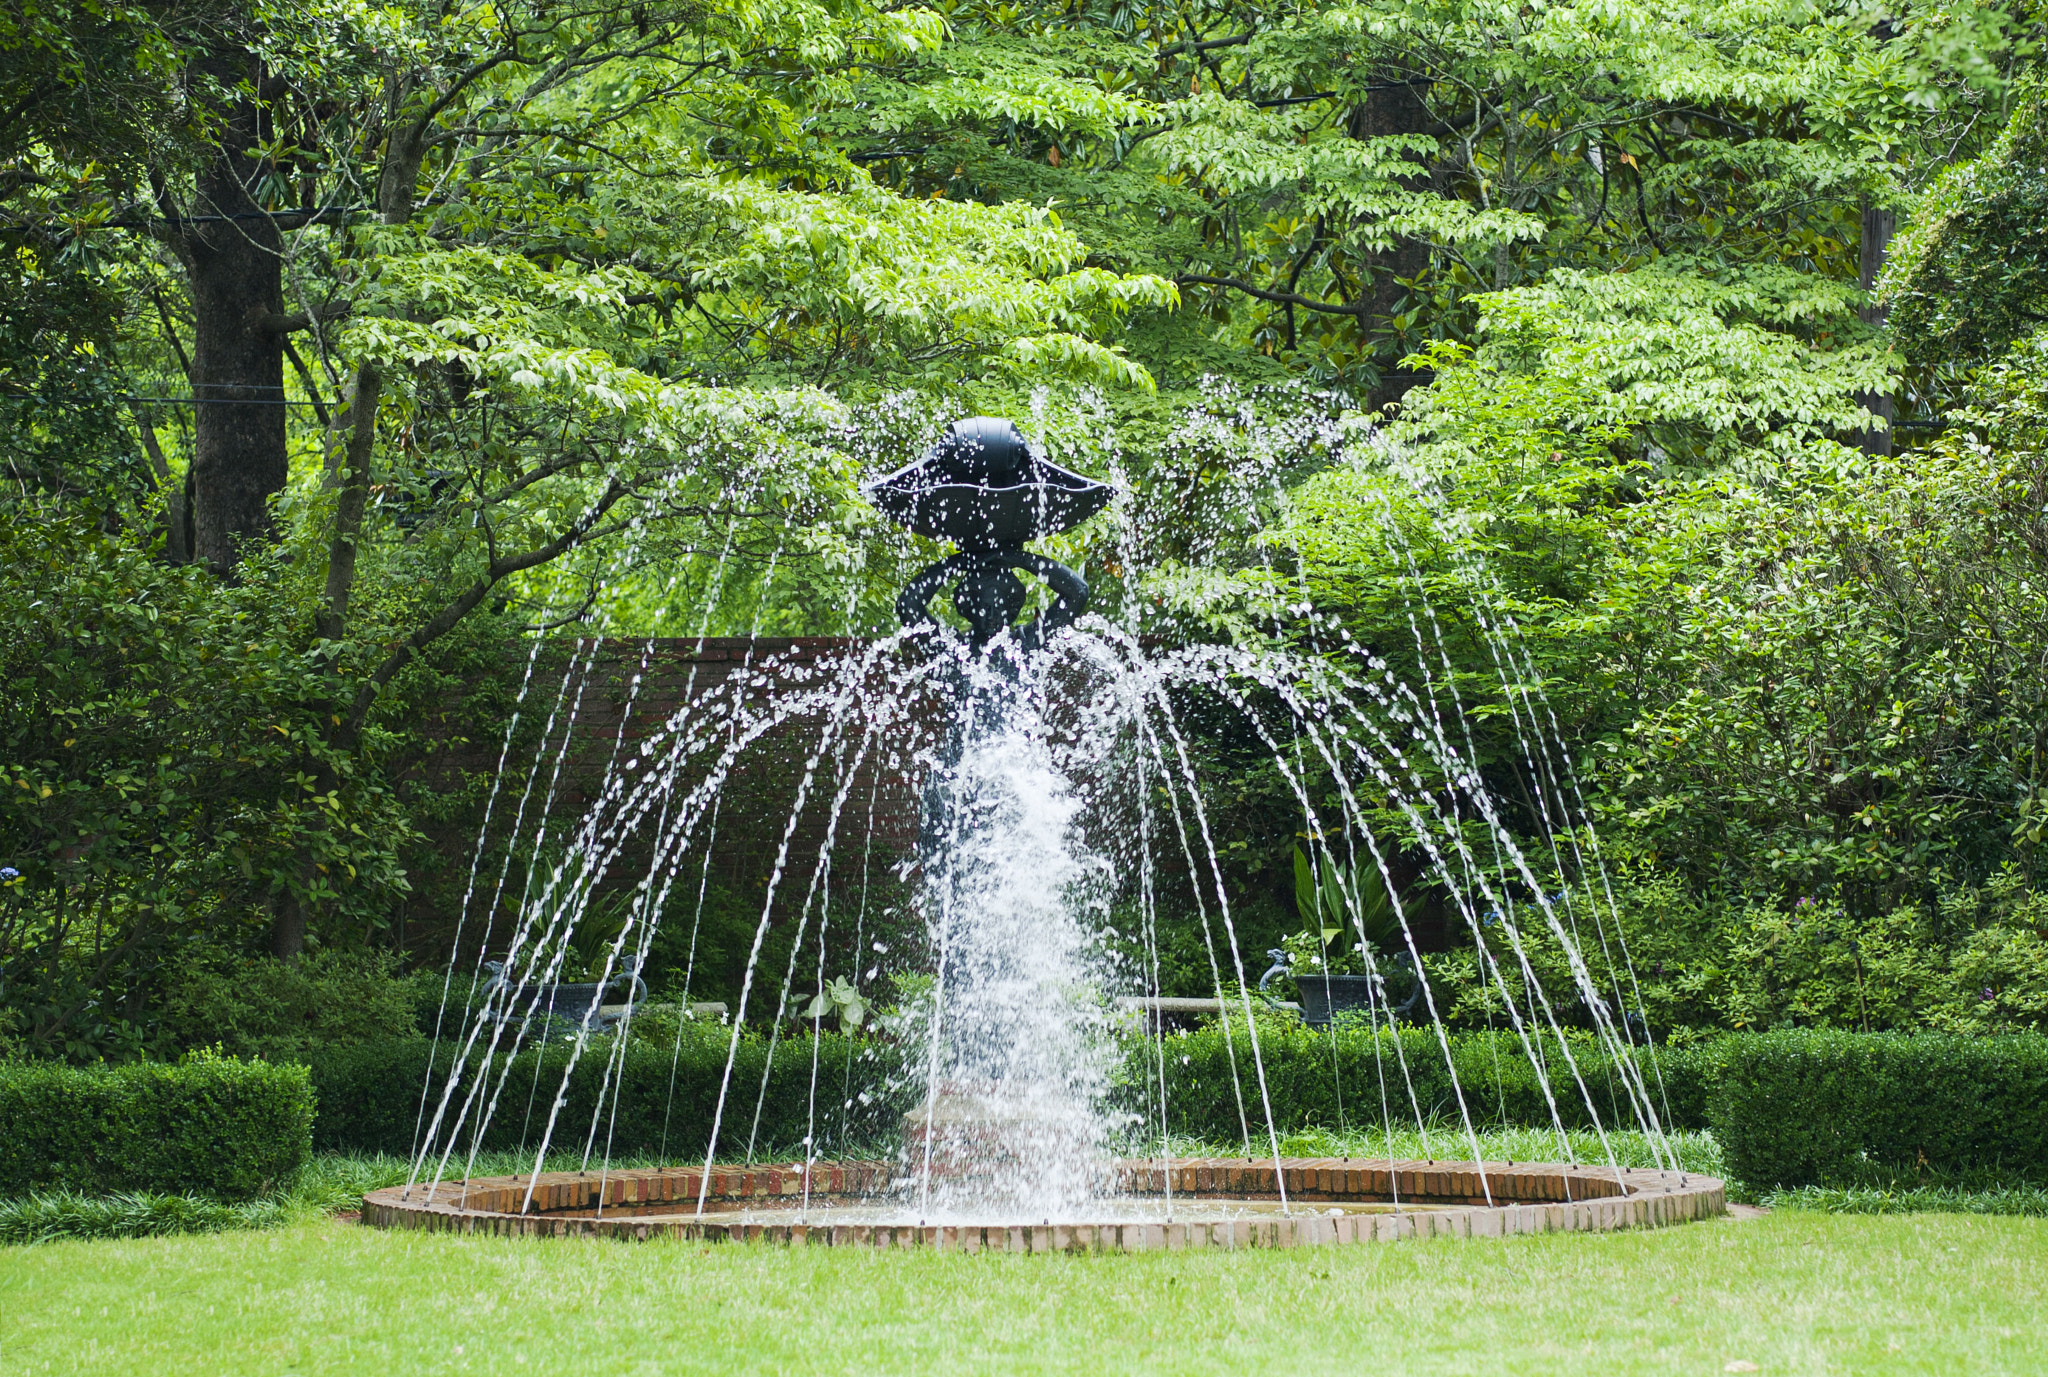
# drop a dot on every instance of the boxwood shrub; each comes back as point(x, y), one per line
point(1819, 1107)
point(370, 1094)
point(211, 1126)
point(1316, 1078)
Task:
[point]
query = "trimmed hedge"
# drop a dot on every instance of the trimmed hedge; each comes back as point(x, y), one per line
point(1790, 1109)
point(370, 1095)
point(1816, 1107)
point(210, 1126)
point(1315, 1078)
point(370, 1092)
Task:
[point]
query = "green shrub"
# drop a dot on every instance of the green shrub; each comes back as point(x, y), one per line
point(282, 1010)
point(1830, 1108)
point(209, 1125)
point(161, 743)
point(1316, 1078)
point(370, 1094)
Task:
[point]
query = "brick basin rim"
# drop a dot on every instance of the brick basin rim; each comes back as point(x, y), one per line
point(648, 1202)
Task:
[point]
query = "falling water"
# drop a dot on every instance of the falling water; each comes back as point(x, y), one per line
point(1015, 1046)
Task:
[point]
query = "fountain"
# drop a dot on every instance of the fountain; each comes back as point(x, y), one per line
point(1008, 1145)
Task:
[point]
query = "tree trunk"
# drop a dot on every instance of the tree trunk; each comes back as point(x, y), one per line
point(233, 256)
point(177, 493)
point(332, 618)
point(1394, 108)
point(288, 928)
point(1876, 239)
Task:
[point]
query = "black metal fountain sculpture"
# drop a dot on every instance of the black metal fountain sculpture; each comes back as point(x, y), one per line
point(982, 488)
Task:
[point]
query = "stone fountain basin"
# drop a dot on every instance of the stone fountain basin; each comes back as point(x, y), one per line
point(1215, 1202)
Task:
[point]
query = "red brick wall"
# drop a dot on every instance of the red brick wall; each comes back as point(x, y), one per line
point(760, 793)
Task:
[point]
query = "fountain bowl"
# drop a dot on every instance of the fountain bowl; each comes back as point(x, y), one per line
point(1204, 1203)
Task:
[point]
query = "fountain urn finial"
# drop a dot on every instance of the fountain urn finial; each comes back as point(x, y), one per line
point(983, 488)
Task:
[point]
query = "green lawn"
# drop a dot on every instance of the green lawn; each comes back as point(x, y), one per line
point(1796, 1292)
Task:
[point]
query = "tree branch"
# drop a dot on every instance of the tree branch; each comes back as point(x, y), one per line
point(305, 320)
point(332, 617)
point(306, 377)
point(1235, 42)
point(450, 615)
point(1307, 303)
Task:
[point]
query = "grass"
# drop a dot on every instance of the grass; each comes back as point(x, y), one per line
point(1841, 1284)
point(1903, 1199)
point(1793, 1292)
point(330, 1183)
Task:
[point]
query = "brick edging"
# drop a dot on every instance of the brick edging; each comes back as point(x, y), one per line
point(654, 1202)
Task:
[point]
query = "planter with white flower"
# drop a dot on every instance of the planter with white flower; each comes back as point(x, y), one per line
point(1352, 958)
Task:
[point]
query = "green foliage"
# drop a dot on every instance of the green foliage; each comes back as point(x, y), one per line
point(1332, 186)
point(1843, 700)
point(1832, 1108)
point(1698, 362)
point(208, 1125)
point(1353, 901)
point(169, 783)
point(63, 422)
point(1800, 684)
point(840, 1000)
point(1969, 275)
point(280, 1011)
point(1975, 962)
point(46, 1217)
point(166, 777)
point(94, 84)
point(1970, 959)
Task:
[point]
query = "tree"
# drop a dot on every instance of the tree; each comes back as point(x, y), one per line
point(1333, 186)
point(1970, 275)
point(577, 273)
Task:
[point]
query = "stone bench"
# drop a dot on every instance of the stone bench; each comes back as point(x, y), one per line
point(566, 1007)
point(1165, 1011)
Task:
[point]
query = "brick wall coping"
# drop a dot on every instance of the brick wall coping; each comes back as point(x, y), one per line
point(1530, 1198)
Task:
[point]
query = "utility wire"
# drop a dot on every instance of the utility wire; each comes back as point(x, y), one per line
point(185, 401)
point(310, 216)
